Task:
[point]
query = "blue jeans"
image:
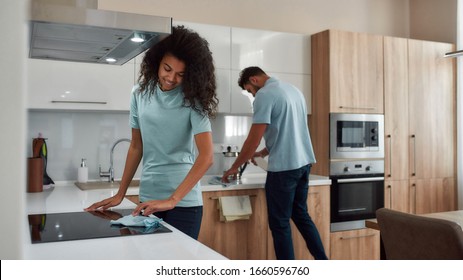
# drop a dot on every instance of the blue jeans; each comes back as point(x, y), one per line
point(286, 194)
point(185, 219)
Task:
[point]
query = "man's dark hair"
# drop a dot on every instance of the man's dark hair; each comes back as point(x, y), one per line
point(248, 72)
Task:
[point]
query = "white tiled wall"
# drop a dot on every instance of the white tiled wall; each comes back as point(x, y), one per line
point(71, 136)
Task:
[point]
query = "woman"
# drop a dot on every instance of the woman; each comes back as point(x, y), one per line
point(170, 111)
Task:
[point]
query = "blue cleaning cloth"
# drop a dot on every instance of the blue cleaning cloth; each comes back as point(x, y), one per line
point(137, 221)
point(217, 180)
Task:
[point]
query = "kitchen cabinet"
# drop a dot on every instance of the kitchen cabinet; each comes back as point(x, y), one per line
point(397, 191)
point(352, 78)
point(237, 240)
point(219, 40)
point(78, 86)
point(279, 54)
point(397, 195)
point(363, 244)
point(419, 99)
point(433, 195)
point(347, 77)
point(252, 239)
point(318, 202)
point(432, 99)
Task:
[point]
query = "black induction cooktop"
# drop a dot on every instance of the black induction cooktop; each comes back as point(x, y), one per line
point(83, 225)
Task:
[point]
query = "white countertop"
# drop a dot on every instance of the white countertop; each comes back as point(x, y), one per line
point(254, 181)
point(66, 197)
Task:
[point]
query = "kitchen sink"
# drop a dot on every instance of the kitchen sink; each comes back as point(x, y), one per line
point(96, 185)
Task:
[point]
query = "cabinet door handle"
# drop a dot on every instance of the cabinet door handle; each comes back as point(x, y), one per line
point(361, 108)
point(79, 102)
point(390, 196)
point(390, 155)
point(355, 237)
point(414, 155)
point(414, 198)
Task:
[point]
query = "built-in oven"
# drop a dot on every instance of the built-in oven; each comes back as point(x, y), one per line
point(356, 136)
point(357, 191)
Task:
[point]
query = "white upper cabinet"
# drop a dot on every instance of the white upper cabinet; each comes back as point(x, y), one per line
point(270, 50)
point(285, 56)
point(218, 38)
point(78, 86)
point(85, 86)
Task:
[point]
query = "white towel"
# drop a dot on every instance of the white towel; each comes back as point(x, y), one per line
point(233, 208)
point(262, 163)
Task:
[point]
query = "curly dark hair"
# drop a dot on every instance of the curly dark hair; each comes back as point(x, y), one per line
point(198, 83)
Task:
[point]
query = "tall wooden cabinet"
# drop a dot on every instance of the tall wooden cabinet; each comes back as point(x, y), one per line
point(414, 86)
point(419, 100)
point(347, 77)
point(396, 124)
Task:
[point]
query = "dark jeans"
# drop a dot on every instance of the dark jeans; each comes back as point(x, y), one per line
point(185, 219)
point(286, 194)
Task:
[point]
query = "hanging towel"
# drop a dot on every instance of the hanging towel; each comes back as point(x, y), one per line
point(233, 208)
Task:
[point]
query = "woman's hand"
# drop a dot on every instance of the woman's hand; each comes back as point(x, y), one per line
point(107, 215)
point(105, 203)
point(152, 206)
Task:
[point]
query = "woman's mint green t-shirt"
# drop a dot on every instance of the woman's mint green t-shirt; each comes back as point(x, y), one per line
point(167, 129)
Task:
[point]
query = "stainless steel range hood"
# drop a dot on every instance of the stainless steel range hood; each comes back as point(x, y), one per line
point(81, 33)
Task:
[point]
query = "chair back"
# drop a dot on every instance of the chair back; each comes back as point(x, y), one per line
point(412, 237)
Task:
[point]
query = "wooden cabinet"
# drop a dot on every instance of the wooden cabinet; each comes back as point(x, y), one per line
point(352, 79)
point(318, 202)
point(251, 239)
point(237, 240)
point(397, 195)
point(396, 125)
point(432, 108)
point(360, 244)
point(347, 77)
point(78, 86)
point(419, 100)
point(433, 195)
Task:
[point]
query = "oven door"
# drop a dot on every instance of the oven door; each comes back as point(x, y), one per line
point(354, 199)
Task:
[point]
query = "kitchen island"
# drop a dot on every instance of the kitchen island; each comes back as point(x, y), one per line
point(250, 238)
point(66, 197)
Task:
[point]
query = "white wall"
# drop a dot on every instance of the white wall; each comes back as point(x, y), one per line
point(12, 123)
point(433, 20)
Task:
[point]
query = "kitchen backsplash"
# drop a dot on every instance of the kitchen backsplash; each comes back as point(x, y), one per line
point(71, 136)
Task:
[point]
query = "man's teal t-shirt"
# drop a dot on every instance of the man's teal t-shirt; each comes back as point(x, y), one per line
point(282, 106)
point(167, 129)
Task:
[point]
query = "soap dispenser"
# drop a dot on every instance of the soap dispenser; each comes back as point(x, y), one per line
point(82, 174)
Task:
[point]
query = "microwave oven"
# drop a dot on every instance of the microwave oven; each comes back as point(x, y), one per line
point(356, 136)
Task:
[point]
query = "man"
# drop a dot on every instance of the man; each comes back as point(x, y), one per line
point(280, 116)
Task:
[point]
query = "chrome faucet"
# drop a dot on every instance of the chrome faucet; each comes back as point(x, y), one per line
point(110, 172)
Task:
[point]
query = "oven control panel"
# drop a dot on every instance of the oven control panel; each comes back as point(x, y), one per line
point(357, 167)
